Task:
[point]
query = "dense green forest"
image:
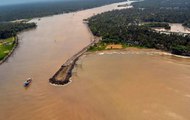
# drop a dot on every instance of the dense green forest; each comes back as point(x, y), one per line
point(174, 11)
point(40, 9)
point(127, 26)
point(168, 4)
point(187, 23)
point(10, 29)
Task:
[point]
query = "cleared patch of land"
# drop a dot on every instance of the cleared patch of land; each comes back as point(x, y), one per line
point(6, 45)
point(114, 46)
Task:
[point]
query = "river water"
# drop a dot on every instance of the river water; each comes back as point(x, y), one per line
point(104, 87)
point(136, 84)
point(175, 27)
point(39, 55)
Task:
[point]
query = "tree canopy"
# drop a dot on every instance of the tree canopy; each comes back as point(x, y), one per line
point(41, 9)
point(11, 29)
point(125, 26)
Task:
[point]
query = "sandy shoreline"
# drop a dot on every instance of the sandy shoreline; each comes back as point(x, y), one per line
point(66, 76)
point(135, 50)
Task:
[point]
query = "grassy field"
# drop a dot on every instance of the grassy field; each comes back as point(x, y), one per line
point(106, 46)
point(6, 45)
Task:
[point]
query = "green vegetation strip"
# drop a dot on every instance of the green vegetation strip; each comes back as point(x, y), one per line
point(6, 47)
point(132, 27)
point(8, 41)
point(173, 11)
point(10, 29)
point(98, 47)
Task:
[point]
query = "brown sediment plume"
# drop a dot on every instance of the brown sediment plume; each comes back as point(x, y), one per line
point(11, 52)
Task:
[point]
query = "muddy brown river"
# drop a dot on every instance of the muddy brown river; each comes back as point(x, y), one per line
point(136, 84)
point(106, 86)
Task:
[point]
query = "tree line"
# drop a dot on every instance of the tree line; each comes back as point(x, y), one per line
point(125, 26)
point(174, 11)
point(157, 25)
point(41, 9)
point(10, 29)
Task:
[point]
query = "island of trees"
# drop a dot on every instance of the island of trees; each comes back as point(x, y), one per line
point(133, 27)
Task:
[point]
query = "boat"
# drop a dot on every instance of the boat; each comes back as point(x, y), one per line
point(27, 82)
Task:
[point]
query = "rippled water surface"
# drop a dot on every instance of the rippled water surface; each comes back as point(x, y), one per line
point(105, 87)
point(39, 55)
point(133, 85)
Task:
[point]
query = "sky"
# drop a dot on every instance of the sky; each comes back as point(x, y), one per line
point(7, 2)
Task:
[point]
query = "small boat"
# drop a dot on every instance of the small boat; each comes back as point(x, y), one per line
point(27, 82)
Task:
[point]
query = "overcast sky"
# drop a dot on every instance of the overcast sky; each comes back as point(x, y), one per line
point(7, 2)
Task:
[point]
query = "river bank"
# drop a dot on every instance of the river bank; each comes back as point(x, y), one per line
point(122, 84)
point(135, 50)
point(175, 28)
point(63, 75)
point(101, 46)
point(12, 50)
point(96, 91)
